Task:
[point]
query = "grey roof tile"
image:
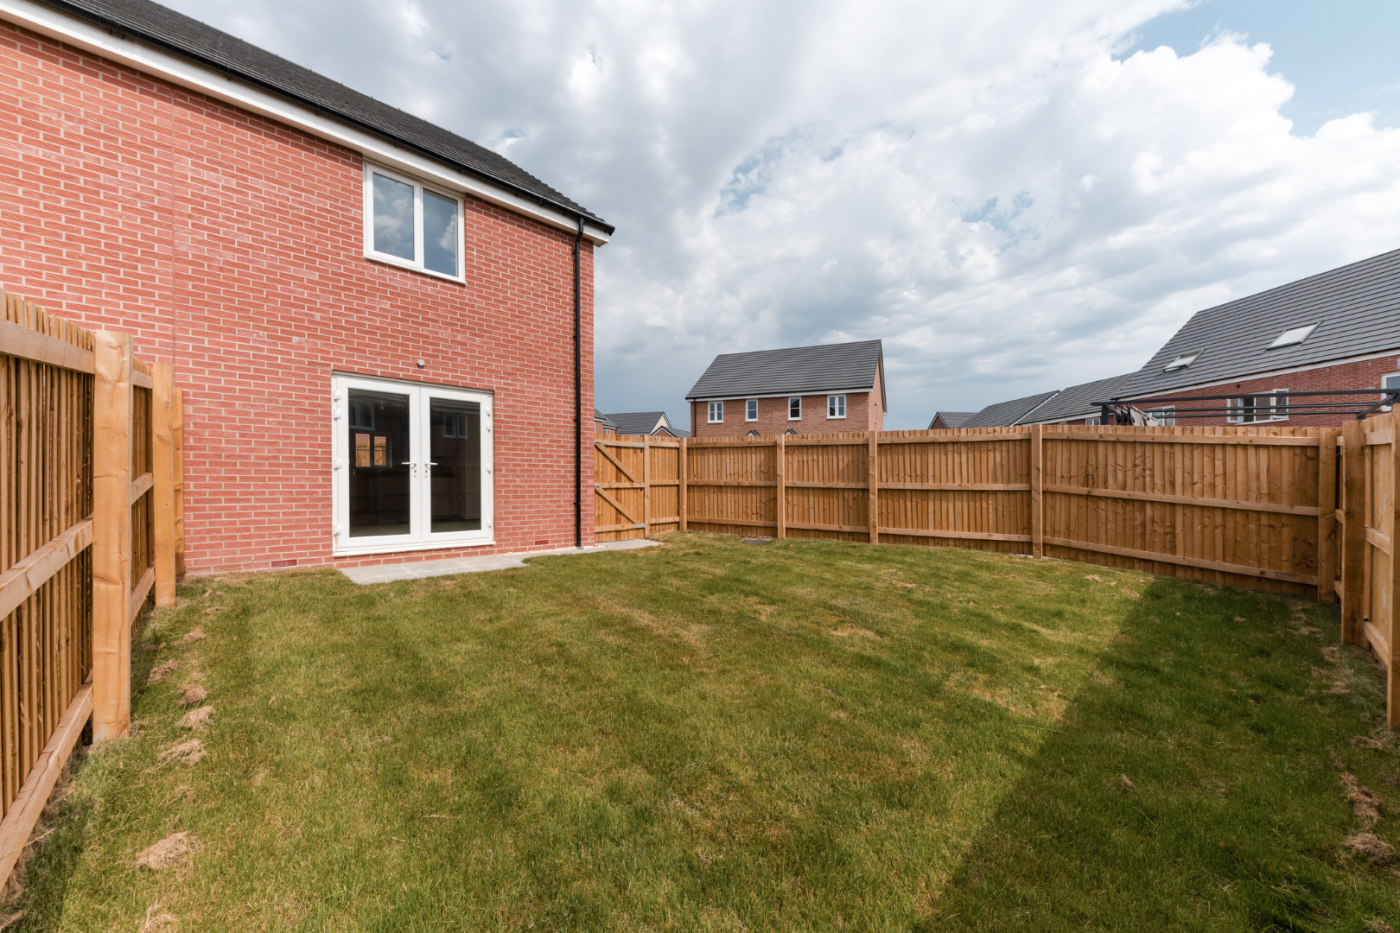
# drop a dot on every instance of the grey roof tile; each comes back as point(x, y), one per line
point(850, 367)
point(1356, 307)
point(638, 422)
point(193, 40)
point(1005, 414)
point(1077, 401)
point(953, 419)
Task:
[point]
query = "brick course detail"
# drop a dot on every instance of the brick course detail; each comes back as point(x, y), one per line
point(232, 246)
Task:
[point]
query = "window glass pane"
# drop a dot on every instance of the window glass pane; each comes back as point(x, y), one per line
point(752, 409)
point(455, 465)
point(379, 478)
point(393, 217)
point(440, 224)
point(794, 408)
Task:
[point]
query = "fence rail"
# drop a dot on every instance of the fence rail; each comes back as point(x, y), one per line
point(1306, 511)
point(86, 492)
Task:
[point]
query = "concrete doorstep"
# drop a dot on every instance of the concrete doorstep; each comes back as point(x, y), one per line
point(390, 573)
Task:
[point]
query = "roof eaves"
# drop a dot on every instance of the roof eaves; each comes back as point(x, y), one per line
point(126, 30)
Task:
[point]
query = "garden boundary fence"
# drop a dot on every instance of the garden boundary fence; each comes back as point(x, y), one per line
point(88, 503)
point(1252, 506)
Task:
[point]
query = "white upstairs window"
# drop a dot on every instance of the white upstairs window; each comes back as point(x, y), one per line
point(751, 410)
point(411, 225)
point(836, 406)
point(716, 413)
point(795, 409)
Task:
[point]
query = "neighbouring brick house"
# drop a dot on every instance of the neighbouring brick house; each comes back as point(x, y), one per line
point(802, 390)
point(1336, 330)
point(376, 322)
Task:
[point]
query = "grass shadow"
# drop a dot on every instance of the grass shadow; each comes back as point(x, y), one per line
point(1194, 783)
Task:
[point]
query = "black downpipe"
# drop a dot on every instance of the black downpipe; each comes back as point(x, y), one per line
point(578, 391)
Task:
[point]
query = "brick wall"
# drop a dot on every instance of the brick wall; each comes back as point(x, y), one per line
point(1362, 375)
point(773, 417)
point(232, 246)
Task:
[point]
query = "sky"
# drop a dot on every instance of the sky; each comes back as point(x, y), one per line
point(1014, 195)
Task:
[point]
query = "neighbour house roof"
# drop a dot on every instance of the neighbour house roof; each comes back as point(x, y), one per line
point(640, 422)
point(1077, 402)
point(603, 419)
point(836, 367)
point(1004, 414)
point(953, 419)
point(192, 40)
point(1356, 309)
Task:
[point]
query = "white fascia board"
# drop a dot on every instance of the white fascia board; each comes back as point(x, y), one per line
point(187, 74)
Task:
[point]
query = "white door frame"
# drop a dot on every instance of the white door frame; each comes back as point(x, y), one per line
point(420, 536)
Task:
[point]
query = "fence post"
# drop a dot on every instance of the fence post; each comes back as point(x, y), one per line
point(872, 479)
point(1353, 530)
point(646, 486)
point(1037, 490)
point(1327, 543)
point(178, 437)
point(681, 490)
point(780, 455)
point(1392, 686)
point(111, 536)
point(163, 480)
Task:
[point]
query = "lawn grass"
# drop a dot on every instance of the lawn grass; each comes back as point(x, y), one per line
point(716, 735)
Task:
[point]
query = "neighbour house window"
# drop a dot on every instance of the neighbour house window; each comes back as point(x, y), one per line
point(1164, 416)
point(1089, 421)
point(716, 413)
point(795, 409)
point(751, 410)
point(1390, 381)
point(411, 225)
point(1251, 409)
point(1294, 335)
point(836, 406)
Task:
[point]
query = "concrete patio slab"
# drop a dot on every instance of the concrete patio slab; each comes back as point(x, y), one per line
point(389, 573)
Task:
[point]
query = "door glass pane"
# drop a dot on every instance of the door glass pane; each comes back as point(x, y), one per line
point(456, 471)
point(379, 477)
point(393, 217)
point(439, 233)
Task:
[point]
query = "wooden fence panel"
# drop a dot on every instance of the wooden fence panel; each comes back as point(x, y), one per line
point(53, 527)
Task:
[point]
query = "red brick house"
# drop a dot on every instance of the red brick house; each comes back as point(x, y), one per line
point(384, 332)
point(1243, 361)
point(802, 390)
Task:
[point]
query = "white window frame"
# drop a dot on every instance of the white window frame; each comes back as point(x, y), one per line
point(1093, 422)
point(1303, 330)
point(798, 400)
point(836, 403)
point(1396, 377)
point(1237, 404)
point(416, 264)
point(751, 409)
point(1165, 416)
point(713, 409)
point(420, 537)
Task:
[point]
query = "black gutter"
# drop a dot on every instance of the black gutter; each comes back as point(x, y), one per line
point(578, 389)
point(126, 31)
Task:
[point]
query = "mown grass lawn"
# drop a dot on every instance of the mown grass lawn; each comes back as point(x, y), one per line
point(717, 735)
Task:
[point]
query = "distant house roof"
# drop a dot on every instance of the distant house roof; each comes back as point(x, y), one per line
point(1356, 310)
point(194, 41)
point(641, 422)
point(952, 419)
point(1004, 414)
point(600, 418)
point(835, 367)
point(1077, 402)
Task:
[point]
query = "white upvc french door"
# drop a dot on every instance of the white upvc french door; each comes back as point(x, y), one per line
point(412, 466)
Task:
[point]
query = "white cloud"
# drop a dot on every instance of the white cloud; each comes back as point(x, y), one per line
point(983, 185)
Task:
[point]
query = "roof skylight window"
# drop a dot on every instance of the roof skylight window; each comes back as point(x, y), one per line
point(1294, 335)
point(1182, 361)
